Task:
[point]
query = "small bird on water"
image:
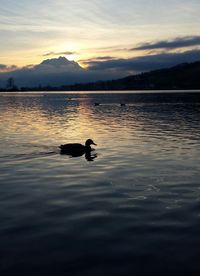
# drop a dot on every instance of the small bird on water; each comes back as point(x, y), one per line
point(76, 149)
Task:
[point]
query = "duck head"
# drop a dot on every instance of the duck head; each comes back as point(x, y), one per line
point(89, 142)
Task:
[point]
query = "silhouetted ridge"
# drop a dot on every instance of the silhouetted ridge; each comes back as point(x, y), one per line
point(182, 76)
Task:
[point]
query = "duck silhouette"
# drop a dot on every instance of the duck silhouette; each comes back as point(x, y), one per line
point(76, 149)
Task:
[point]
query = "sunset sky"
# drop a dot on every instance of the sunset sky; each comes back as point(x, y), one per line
point(98, 33)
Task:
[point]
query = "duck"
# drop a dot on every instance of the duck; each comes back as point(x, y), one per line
point(96, 104)
point(76, 149)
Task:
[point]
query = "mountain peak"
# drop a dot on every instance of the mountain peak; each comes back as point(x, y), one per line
point(60, 61)
point(56, 61)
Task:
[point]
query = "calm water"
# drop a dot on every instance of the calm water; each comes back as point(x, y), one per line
point(133, 210)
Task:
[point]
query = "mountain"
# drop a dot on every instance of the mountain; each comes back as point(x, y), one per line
point(182, 76)
point(61, 74)
point(60, 63)
point(52, 72)
point(55, 71)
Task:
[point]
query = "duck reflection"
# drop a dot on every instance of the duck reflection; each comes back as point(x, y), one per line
point(89, 155)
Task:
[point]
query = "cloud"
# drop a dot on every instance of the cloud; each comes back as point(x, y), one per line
point(145, 63)
point(2, 66)
point(180, 42)
point(107, 49)
point(100, 58)
point(67, 53)
point(29, 66)
point(104, 58)
point(7, 68)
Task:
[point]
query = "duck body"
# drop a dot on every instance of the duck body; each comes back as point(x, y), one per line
point(72, 148)
point(76, 149)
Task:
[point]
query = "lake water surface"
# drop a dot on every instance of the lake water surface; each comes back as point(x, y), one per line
point(132, 209)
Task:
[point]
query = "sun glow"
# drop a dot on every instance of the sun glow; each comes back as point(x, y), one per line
point(73, 57)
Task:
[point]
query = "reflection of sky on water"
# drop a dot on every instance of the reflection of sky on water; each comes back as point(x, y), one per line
point(75, 115)
point(148, 124)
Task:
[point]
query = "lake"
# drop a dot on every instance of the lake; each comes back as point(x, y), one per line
point(132, 208)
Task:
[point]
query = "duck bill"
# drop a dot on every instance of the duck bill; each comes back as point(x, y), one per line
point(94, 144)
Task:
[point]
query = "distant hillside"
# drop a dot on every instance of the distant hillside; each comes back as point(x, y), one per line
point(183, 76)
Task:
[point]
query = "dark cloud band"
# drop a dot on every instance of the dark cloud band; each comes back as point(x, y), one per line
point(4, 67)
point(170, 44)
point(146, 63)
point(68, 53)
